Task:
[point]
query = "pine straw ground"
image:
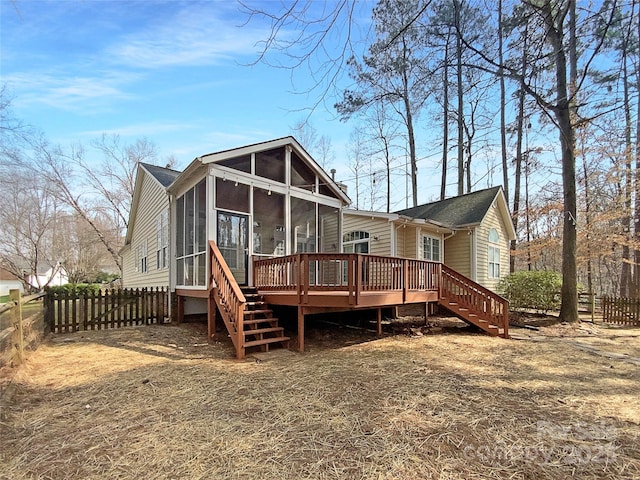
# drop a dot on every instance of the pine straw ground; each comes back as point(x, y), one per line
point(159, 403)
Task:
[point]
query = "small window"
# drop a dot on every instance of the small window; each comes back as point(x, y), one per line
point(355, 242)
point(141, 257)
point(431, 248)
point(493, 270)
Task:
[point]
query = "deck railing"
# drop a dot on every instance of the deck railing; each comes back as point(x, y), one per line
point(348, 272)
point(228, 296)
point(475, 298)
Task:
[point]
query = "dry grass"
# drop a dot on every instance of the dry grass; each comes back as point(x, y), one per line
point(156, 403)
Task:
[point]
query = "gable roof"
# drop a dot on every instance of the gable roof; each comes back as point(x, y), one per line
point(162, 176)
point(165, 176)
point(195, 167)
point(462, 211)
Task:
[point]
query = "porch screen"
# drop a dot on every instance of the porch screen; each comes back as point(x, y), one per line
point(191, 234)
point(303, 225)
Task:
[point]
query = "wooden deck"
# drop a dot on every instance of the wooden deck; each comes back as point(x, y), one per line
point(321, 282)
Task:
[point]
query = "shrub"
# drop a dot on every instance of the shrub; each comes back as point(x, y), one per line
point(76, 289)
point(532, 289)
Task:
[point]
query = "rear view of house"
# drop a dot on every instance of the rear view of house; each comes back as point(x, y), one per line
point(241, 230)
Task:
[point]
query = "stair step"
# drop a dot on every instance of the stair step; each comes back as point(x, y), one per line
point(253, 304)
point(253, 312)
point(254, 321)
point(265, 341)
point(263, 330)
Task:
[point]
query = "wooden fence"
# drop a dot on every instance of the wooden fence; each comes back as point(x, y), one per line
point(24, 320)
point(107, 309)
point(621, 311)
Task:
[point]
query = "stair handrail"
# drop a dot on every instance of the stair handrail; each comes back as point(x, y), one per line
point(230, 294)
point(501, 319)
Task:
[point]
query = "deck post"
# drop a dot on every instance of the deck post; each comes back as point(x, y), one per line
point(426, 313)
point(211, 316)
point(379, 324)
point(180, 309)
point(300, 328)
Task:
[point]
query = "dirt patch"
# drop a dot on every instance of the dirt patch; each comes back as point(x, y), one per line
point(158, 402)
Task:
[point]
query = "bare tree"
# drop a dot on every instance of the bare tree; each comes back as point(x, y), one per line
point(319, 146)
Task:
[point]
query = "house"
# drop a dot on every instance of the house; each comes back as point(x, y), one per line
point(393, 234)
point(48, 276)
point(261, 225)
point(481, 232)
point(145, 254)
point(8, 281)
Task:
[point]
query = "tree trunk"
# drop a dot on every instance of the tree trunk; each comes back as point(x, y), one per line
point(460, 113)
point(445, 120)
point(410, 133)
point(503, 101)
point(625, 272)
point(563, 114)
point(519, 135)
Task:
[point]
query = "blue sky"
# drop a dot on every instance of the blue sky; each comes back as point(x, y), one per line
point(174, 72)
point(177, 73)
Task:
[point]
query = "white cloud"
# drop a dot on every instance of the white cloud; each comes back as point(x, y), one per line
point(139, 130)
point(194, 36)
point(68, 92)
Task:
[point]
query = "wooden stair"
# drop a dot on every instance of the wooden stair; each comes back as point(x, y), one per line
point(474, 303)
point(260, 326)
point(472, 318)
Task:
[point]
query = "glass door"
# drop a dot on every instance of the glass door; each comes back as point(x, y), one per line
point(233, 243)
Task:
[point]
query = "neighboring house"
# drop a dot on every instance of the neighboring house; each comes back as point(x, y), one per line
point(482, 230)
point(8, 281)
point(145, 255)
point(48, 276)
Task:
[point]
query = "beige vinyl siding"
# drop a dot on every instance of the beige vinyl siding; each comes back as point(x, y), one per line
point(492, 220)
point(410, 242)
point(153, 200)
point(377, 227)
point(401, 234)
point(457, 252)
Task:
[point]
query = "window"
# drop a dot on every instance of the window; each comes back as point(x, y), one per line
point(303, 226)
point(141, 257)
point(242, 163)
point(431, 248)
point(301, 175)
point(355, 242)
point(494, 254)
point(162, 240)
point(271, 164)
point(191, 233)
point(232, 195)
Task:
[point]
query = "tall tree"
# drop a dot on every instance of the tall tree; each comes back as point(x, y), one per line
point(392, 73)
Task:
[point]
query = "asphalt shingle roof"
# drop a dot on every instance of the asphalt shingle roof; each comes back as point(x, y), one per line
point(466, 209)
point(165, 176)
